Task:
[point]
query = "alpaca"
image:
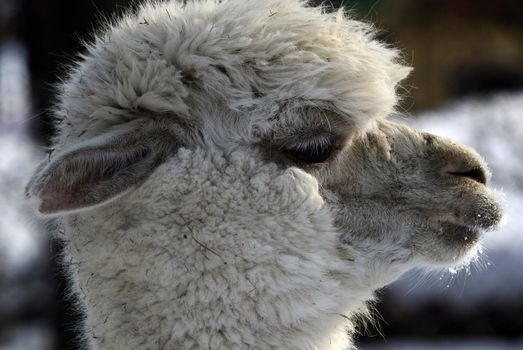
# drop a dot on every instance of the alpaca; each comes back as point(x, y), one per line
point(225, 178)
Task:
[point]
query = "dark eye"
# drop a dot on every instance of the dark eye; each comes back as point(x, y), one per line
point(313, 152)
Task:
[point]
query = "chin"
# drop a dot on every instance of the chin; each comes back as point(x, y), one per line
point(453, 246)
point(454, 238)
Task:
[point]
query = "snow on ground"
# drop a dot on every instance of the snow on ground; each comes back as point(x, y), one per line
point(24, 287)
point(25, 291)
point(14, 84)
point(494, 127)
point(19, 242)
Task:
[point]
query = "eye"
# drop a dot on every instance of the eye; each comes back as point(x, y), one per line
point(316, 151)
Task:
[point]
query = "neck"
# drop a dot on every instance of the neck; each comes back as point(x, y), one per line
point(213, 261)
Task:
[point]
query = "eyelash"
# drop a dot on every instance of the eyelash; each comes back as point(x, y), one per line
point(314, 152)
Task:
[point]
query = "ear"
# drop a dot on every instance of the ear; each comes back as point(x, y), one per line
point(99, 170)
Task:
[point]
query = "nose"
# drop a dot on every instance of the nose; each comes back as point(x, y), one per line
point(477, 174)
point(458, 161)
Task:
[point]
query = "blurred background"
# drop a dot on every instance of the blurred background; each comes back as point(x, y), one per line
point(467, 84)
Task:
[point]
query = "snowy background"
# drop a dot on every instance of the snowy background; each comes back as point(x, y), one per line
point(493, 126)
point(491, 287)
point(458, 48)
point(25, 290)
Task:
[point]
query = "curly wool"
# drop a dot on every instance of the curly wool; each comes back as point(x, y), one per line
point(236, 264)
point(192, 61)
point(218, 249)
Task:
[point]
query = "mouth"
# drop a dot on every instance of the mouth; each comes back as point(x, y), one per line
point(456, 232)
point(463, 227)
point(453, 242)
point(474, 211)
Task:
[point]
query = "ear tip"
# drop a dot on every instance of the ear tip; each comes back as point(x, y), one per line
point(34, 199)
point(28, 191)
point(43, 208)
point(34, 185)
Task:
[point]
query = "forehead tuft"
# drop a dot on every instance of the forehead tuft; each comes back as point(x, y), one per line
point(172, 60)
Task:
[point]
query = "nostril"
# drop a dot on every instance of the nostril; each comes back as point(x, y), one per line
point(477, 174)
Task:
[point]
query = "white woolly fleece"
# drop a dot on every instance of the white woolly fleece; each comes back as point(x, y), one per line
point(196, 61)
point(219, 250)
point(216, 252)
point(196, 210)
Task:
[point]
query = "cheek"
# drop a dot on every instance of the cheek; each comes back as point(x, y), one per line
point(341, 175)
point(376, 221)
point(356, 172)
point(436, 250)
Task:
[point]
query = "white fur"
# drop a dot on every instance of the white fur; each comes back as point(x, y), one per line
point(288, 52)
point(247, 260)
point(230, 243)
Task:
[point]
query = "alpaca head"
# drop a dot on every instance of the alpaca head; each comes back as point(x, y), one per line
point(284, 84)
point(404, 197)
point(411, 196)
